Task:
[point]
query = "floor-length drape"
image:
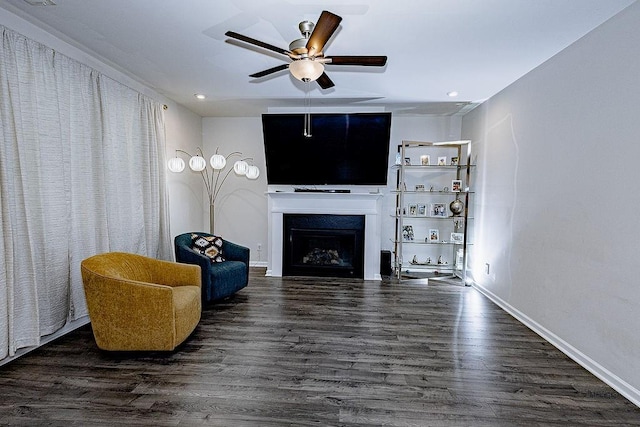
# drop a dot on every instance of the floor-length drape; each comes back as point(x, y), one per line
point(81, 172)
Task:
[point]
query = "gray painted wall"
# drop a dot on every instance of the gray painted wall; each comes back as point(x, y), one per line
point(556, 211)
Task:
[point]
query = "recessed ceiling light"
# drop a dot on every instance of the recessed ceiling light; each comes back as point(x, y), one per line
point(200, 96)
point(452, 94)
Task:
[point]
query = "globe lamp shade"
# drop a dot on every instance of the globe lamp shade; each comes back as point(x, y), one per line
point(240, 167)
point(253, 172)
point(176, 164)
point(197, 163)
point(218, 161)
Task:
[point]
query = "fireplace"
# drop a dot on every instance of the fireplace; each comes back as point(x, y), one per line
point(323, 245)
point(365, 204)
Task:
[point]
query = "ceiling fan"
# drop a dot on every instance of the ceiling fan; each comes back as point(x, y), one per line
point(308, 59)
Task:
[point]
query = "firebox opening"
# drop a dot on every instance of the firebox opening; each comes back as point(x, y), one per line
point(324, 245)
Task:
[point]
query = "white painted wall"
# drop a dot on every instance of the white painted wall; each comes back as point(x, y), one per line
point(555, 213)
point(187, 204)
point(241, 206)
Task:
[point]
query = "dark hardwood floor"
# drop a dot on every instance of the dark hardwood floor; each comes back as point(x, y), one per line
point(310, 351)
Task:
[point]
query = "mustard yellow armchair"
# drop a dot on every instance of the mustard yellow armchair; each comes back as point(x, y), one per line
point(140, 303)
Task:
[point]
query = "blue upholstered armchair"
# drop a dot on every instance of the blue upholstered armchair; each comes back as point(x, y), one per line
point(219, 279)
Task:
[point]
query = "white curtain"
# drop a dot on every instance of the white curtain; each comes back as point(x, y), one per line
point(81, 172)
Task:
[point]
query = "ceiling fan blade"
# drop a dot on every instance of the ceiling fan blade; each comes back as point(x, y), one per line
point(270, 71)
point(371, 61)
point(324, 81)
point(324, 29)
point(257, 43)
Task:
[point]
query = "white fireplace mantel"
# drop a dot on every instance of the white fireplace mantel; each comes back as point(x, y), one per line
point(287, 202)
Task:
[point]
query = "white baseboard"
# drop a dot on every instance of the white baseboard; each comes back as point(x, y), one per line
point(70, 326)
point(617, 383)
point(262, 264)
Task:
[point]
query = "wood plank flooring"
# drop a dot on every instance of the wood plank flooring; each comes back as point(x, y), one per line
point(310, 352)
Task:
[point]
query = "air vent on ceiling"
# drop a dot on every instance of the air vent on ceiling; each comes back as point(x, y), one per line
point(41, 2)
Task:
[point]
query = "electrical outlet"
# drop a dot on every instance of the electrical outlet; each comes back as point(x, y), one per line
point(486, 268)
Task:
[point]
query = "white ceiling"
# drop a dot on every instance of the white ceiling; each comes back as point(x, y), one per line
point(178, 48)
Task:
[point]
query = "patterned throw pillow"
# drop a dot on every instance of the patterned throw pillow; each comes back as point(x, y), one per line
point(209, 246)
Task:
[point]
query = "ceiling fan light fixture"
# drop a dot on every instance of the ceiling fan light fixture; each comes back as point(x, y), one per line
point(306, 69)
point(307, 53)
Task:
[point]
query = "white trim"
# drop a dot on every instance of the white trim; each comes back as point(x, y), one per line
point(262, 264)
point(367, 204)
point(611, 379)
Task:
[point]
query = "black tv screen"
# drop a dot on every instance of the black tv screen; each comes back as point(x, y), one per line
point(344, 149)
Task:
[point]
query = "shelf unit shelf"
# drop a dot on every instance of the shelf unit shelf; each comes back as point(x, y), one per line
point(428, 174)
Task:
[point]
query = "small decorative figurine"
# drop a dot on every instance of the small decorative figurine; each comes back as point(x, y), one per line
point(456, 207)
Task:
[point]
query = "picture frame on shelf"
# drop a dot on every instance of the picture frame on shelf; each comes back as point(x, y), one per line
point(425, 160)
point(454, 161)
point(438, 210)
point(407, 233)
point(442, 160)
point(407, 161)
point(422, 209)
point(434, 235)
point(459, 259)
point(457, 238)
point(456, 185)
point(413, 210)
point(419, 187)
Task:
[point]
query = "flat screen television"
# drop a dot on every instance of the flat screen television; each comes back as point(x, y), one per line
point(344, 149)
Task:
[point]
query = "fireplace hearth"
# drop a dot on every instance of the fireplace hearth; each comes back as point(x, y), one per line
point(323, 245)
